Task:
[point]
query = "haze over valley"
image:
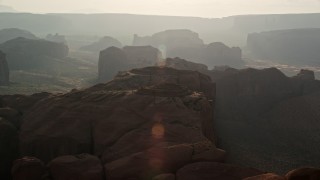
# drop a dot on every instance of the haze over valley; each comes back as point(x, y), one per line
point(160, 90)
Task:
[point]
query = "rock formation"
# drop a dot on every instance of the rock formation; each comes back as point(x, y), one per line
point(28, 168)
point(218, 54)
point(102, 44)
point(171, 39)
point(182, 64)
point(112, 60)
point(187, 45)
point(293, 47)
point(56, 38)
point(4, 70)
point(12, 33)
point(105, 119)
point(28, 53)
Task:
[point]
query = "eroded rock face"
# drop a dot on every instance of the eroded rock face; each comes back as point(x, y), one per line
point(4, 70)
point(25, 53)
point(28, 168)
point(211, 170)
point(112, 60)
point(81, 167)
point(107, 118)
point(102, 44)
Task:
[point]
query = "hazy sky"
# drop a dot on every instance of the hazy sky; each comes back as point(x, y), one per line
point(202, 8)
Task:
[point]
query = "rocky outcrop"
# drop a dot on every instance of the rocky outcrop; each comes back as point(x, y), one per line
point(102, 44)
point(56, 38)
point(28, 168)
point(12, 33)
point(80, 167)
point(4, 70)
point(293, 47)
point(112, 60)
point(104, 120)
point(211, 170)
point(182, 64)
point(25, 53)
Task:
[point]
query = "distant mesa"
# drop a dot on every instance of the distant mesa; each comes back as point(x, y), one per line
point(187, 45)
point(56, 38)
point(25, 53)
point(113, 59)
point(12, 33)
point(294, 47)
point(4, 70)
point(102, 44)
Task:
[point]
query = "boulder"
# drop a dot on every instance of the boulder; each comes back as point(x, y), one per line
point(80, 167)
point(268, 176)
point(102, 44)
point(28, 168)
point(4, 70)
point(211, 170)
point(304, 174)
point(147, 164)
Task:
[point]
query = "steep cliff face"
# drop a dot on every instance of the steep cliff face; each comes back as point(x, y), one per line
point(112, 60)
point(27, 53)
point(4, 70)
point(297, 46)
